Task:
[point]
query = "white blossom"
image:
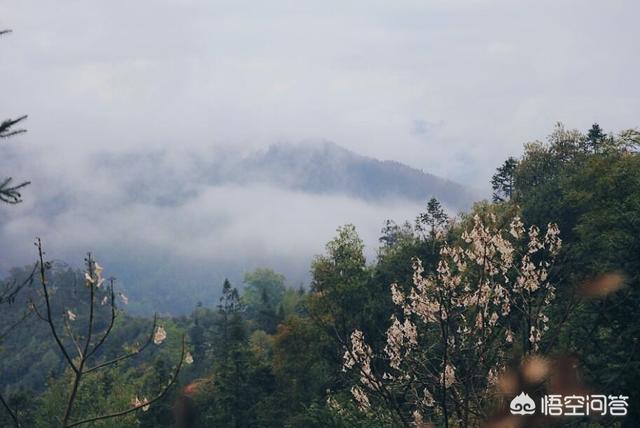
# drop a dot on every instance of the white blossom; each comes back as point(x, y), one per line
point(508, 336)
point(495, 271)
point(98, 274)
point(401, 337)
point(361, 398)
point(136, 402)
point(93, 277)
point(418, 420)
point(552, 238)
point(534, 242)
point(160, 335)
point(493, 319)
point(448, 376)
point(492, 377)
point(396, 295)
point(333, 404)
point(535, 336)
point(124, 298)
point(516, 228)
point(427, 398)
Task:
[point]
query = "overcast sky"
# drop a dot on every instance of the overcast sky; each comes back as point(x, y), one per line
point(451, 87)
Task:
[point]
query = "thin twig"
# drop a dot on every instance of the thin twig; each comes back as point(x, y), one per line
point(140, 406)
point(49, 319)
point(111, 322)
point(129, 355)
point(14, 416)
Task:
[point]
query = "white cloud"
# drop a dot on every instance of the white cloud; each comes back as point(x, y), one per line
point(192, 76)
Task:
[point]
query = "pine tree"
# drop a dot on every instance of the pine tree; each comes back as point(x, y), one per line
point(10, 192)
point(595, 138)
point(433, 219)
point(502, 181)
point(228, 405)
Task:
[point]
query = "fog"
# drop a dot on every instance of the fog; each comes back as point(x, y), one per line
point(155, 221)
point(451, 88)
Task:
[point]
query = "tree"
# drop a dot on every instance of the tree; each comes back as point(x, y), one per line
point(227, 403)
point(197, 340)
point(600, 205)
point(595, 138)
point(260, 282)
point(589, 184)
point(456, 330)
point(301, 368)
point(9, 192)
point(262, 296)
point(230, 325)
point(432, 220)
point(80, 350)
point(502, 182)
point(392, 234)
point(340, 284)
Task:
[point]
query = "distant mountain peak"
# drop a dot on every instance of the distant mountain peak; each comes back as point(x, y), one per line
point(324, 167)
point(315, 167)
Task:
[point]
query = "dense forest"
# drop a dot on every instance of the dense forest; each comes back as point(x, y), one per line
point(534, 291)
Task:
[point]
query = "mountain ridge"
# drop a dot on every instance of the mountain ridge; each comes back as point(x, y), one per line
point(327, 168)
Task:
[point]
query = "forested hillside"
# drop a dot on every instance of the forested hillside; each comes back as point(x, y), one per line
point(534, 291)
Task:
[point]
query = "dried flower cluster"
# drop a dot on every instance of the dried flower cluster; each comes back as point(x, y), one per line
point(160, 335)
point(140, 404)
point(93, 274)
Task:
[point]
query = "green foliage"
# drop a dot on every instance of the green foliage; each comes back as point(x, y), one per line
point(271, 355)
point(590, 185)
point(263, 296)
point(502, 181)
point(110, 391)
point(340, 283)
point(264, 287)
point(37, 363)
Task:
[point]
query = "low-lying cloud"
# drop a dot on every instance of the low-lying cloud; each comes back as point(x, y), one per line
point(158, 219)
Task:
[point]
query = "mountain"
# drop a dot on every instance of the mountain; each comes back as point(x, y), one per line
point(326, 168)
point(172, 225)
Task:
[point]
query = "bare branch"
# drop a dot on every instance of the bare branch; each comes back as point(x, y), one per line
point(83, 352)
point(49, 319)
point(35, 310)
point(6, 125)
point(111, 322)
point(129, 355)
point(140, 406)
point(10, 194)
point(14, 416)
point(67, 328)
